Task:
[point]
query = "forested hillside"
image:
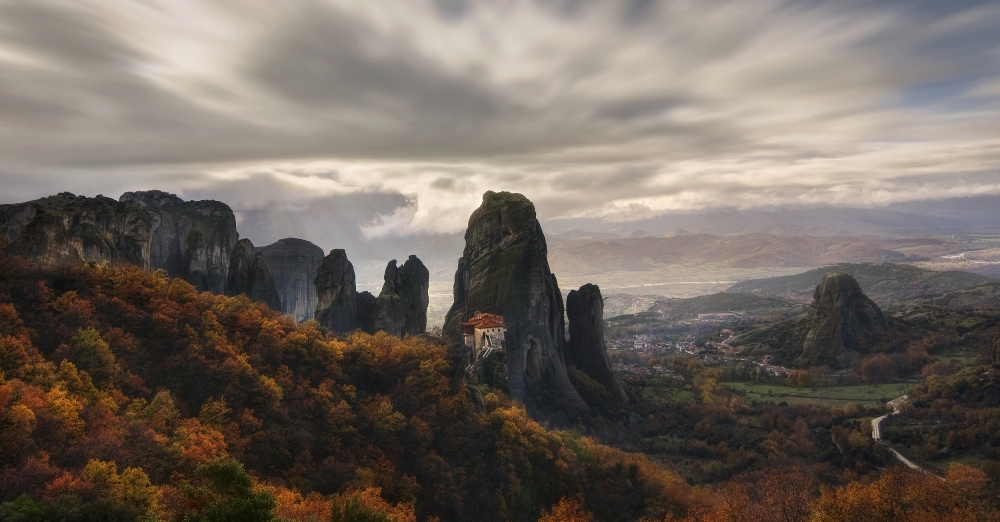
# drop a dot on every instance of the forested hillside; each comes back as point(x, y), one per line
point(129, 394)
point(125, 395)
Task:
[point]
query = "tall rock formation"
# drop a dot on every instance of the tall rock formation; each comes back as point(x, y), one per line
point(152, 229)
point(239, 267)
point(834, 331)
point(504, 270)
point(366, 303)
point(839, 314)
point(336, 291)
point(70, 228)
point(44, 238)
point(390, 315)
point(587, 349)
point(250, 274)
point(402, 304)
point(294, 263)
point(412, 284)
point(190, 239)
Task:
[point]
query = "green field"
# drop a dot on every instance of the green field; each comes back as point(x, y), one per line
point(866, 395)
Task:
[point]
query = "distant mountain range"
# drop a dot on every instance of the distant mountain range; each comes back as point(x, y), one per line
point(572, 254)
point(956, 216)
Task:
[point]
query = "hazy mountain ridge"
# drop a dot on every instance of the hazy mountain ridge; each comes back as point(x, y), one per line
point(725, 302)
point(735, 251)
point(914, 218)
point(885, 283)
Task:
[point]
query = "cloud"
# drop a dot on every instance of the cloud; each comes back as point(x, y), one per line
point(404, 115)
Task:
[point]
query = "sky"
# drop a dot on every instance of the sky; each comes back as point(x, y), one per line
point(389, 119)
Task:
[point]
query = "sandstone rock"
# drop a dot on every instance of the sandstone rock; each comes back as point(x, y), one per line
point(294, 263)
point(260, 283)
point(151, 229)
point(250, 274)
point(402, 304)
point(99, 230)
point(412, 285)
point(201, 257)
point(839, 314)
point(504, 270)
point(239, 267)
point(366, 311)
point(389, 314)
point(44, 239)
point(587, 350)
point(336, 291)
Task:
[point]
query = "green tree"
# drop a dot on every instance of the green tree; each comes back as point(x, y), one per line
point(90, 352)
point(226, 494)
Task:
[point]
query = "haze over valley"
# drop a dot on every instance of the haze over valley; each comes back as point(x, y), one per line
point(499, 261)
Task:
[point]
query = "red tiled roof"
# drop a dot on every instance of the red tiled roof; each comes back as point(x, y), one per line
point(484, 321)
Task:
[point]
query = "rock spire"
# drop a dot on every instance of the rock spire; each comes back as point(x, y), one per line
point(336, 292)
point(839, 314)
point(587, 350)
point(504, 270)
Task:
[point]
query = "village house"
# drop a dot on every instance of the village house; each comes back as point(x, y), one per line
point(483, 332)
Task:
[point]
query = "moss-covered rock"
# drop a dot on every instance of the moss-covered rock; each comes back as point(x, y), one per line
point(152, 229)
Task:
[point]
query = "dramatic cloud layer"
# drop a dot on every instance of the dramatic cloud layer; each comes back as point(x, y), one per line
point(392, 117)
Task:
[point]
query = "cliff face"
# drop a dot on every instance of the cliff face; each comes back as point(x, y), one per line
point(587, 350)
point(294, 263)
point(336, 291)
point(239, 267)
point(389, 315)
point(402, 304)
point(839, 314)
point(249, 274)
point(69, 228)
point(190, 239)
point(260, 283)
point(412, 284)
point(152, 229)
point(366, 303)
point(504, 270)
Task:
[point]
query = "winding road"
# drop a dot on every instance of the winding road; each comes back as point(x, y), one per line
point(897, 406)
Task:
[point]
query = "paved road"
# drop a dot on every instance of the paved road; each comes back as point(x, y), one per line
point(897, 406)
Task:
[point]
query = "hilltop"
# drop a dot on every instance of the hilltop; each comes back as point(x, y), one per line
point(884, 282)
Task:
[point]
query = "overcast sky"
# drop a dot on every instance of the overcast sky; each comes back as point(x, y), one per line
point(398, 115)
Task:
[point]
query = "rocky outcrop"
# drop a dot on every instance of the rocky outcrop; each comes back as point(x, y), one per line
point(70, 228)
point(152, 229)
point(504, 270)
point(389, 313)
point(366, 311)
point(336, 291)
point(840, 313)
point(239, 267)
point(190, 239)
point(842, 321)
point(587, 350)
point(412, 284)
point(402, 304)
point(294, 263)
point(44, 239)
point(260, 283)
point(250, 274)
